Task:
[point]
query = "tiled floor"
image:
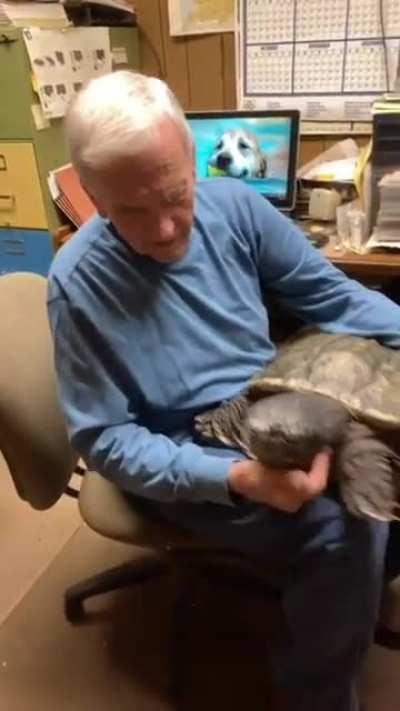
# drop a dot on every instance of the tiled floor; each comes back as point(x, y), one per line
point(118, 661)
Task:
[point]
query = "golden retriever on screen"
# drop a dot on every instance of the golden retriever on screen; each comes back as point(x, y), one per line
point(237, 154)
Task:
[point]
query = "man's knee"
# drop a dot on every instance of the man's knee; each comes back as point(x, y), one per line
point(326, 528)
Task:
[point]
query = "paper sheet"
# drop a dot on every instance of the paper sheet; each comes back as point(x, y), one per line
point(62, 60)
point(188, 17)
point(339, 151)
point(26, 14)
point(330, 58)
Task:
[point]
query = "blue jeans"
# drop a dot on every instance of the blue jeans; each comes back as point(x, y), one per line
point(330, 568)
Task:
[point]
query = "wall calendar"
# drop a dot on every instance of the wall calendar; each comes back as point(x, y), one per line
point(330, 58)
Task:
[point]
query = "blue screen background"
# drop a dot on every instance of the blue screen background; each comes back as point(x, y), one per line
point(273, 136)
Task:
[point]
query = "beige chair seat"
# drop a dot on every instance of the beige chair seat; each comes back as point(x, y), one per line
point(108, 511)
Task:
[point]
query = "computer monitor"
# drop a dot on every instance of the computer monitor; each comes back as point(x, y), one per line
point(259, 147)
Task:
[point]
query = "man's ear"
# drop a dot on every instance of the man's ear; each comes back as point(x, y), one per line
point(102, 212)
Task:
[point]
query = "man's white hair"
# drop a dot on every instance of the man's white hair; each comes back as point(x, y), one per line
point(115, 115)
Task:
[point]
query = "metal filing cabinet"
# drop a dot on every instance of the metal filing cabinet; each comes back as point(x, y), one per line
point(25, 251)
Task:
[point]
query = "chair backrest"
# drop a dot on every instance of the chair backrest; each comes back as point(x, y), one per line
point(33, 437)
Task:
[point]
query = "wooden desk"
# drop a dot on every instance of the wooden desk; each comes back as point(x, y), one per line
point(378, 266)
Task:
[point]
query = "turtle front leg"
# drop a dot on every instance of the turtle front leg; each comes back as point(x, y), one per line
point(225, 424)
point(367, 470)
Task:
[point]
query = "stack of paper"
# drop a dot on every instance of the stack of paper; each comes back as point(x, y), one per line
point(33, 14)
point(387, 229)
point(4, 19)
point(68, 194)
point(100, 13)
point(123, 5)
point(389, 103)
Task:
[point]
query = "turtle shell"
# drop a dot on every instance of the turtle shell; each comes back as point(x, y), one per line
point(360, 373)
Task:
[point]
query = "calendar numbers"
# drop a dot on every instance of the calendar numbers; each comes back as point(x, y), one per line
point(271, 69)
point(270, 21)
point(321, 20)
point(365, 66)
point(368, 67)
point(318, 68)
point(392, 18)
point(366, 20)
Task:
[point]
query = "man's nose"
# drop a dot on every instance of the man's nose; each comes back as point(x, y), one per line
point(166, 227)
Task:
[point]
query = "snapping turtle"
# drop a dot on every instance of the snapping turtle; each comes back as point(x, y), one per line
point(323, 390)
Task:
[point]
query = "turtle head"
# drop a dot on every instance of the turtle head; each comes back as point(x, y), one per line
point(287, 430)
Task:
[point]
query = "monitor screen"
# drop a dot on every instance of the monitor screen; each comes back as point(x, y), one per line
point(259, 147)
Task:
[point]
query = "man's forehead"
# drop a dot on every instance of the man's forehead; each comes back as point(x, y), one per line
point(144, 169)
point(167, 190)
point(160, 168)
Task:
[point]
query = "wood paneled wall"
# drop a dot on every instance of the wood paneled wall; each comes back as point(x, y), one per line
point(199, 69)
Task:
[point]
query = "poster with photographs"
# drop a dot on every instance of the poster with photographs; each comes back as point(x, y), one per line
point(62, 60)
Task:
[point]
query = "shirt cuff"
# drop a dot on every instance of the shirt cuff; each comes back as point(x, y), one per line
point(210, 480)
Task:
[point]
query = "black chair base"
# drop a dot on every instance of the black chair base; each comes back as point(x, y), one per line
point(121, 576)
point(139, 571)
point(384, 637)
point(232, 571)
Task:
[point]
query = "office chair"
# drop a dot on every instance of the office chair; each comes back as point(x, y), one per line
point(33, 441)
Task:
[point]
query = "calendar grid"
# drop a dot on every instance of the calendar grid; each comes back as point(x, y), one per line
point(318, 48)
point(295, 18)
point(346, 40)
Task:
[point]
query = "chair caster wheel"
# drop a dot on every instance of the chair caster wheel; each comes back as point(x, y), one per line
point(74, 610)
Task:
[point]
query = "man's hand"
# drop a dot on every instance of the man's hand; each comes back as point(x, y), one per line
point(284, 490)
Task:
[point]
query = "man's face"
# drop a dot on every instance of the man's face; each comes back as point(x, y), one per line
point(149, 196)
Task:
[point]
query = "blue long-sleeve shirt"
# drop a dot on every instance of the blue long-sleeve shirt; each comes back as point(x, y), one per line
point(140, 347)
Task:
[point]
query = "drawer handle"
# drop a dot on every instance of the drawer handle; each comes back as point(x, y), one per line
point(3, 162)
point(5, 39)
point(7, 202)
point(14, 248)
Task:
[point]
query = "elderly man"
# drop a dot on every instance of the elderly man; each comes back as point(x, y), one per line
point(157, 312)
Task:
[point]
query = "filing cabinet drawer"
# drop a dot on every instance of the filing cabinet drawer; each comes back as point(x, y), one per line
point(21, 203)
point(25, 251)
